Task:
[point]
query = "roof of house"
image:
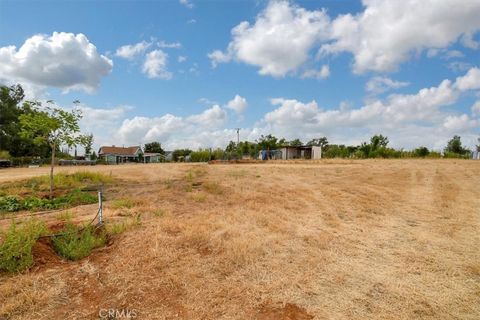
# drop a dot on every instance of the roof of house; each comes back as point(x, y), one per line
point(124, 151)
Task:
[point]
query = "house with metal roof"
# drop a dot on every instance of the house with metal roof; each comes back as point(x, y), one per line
point(116, 155)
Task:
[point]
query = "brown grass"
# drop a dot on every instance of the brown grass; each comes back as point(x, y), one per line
point(325, 240)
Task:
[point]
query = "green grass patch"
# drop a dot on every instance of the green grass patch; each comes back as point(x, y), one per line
point(16, 248)
point(73, 198)
point(124, 203)
point(75, 243)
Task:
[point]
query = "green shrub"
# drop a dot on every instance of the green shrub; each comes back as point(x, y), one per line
point(75, 244)
point(16, 248)
point(9, 204)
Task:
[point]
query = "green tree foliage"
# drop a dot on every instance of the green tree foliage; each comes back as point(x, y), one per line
point(180, 154)
point(12, 105)
point(295, 143)
point(269, 142)
point(421, 152)
point(54, 127)
point(154, 147)
point(454, 146)
point(88, 144)
point(319, 142)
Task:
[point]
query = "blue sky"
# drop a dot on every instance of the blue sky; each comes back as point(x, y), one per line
point(299, 69)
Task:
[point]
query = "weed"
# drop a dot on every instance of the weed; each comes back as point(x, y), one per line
point(213, 188)
point(199, 197)
point(75, 243)
point(16, 249)
point(9, 204)
point(65, 216)
point(123, 203)
point(189, 176)
point(159, 212)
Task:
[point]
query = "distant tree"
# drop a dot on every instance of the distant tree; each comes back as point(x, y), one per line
point(378, 141)
point(180, 154)
point(319, 142)
point(268, 142)
point(478, 145)
point(52, 126)
point(421, 152)
point(455, 146)
point(154, 147)
point(88, 144)
point(231, 147)
point(295, 143)
point(93, 156)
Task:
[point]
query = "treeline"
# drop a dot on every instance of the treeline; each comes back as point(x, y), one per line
point(376, 147)
point(27, 130)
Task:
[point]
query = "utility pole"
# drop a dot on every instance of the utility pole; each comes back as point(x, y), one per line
point(238, 136)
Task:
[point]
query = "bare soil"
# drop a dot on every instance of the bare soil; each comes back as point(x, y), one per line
point(330, 239)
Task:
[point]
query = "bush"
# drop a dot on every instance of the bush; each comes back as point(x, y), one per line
point(16, 249)
point(76, 243)
point(74, 198)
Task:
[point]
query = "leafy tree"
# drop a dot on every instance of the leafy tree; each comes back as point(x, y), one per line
point(378, 141)
point(88, 144)
point(154, 147)
point(295, 143)
point(478, 145)
point(268, 142)
point(320, 142)
point(52, 126)
point(180, 153)
point(455, 146)
point(421, 152)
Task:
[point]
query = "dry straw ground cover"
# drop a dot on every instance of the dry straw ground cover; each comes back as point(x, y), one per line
point(368, 239)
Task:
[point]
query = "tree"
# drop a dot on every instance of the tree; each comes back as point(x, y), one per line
point(154, 147)
point(455, 146)
point(295, 143)
point(378, 141)
point(268, 142)
point(320, 142)
point(54, 127)
point(478, 145)
point(88, 144)
point(422, 152)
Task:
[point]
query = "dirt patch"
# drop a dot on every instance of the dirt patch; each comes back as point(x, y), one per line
point(288, 312)
point(44, 256)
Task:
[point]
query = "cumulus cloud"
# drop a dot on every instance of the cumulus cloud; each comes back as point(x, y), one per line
point(237, 104)
point(174, 131)
point(323, 73)
point(62, 60)
point(470, 81)
point(279, 41)
point(405, 118)
point(386, 33)
point(380, 38)
point(476, 108)
point(130, 51)
point(378, 85)
point(155, 65)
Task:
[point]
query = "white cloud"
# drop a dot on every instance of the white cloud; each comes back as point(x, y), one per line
point(381, 37)
point(476, 108)
point(191, 21)
point(386, 33)
point(62, 60)
point(378, 85)
point(470, 81)
point(132, 50)
point(199, 130)
point(187, 3)
point(408, 119)
point(279, 41)
point(169, 45)
point(323, 73)
point(155, 65)
point(181, 59)
point(237, 104)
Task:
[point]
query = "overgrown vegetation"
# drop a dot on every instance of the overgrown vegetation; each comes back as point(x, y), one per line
point(123, 203)
point(32, 194)
point(77, 242)
point(16, 248)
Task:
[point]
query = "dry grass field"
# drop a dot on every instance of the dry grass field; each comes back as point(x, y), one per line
point(367, 239)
